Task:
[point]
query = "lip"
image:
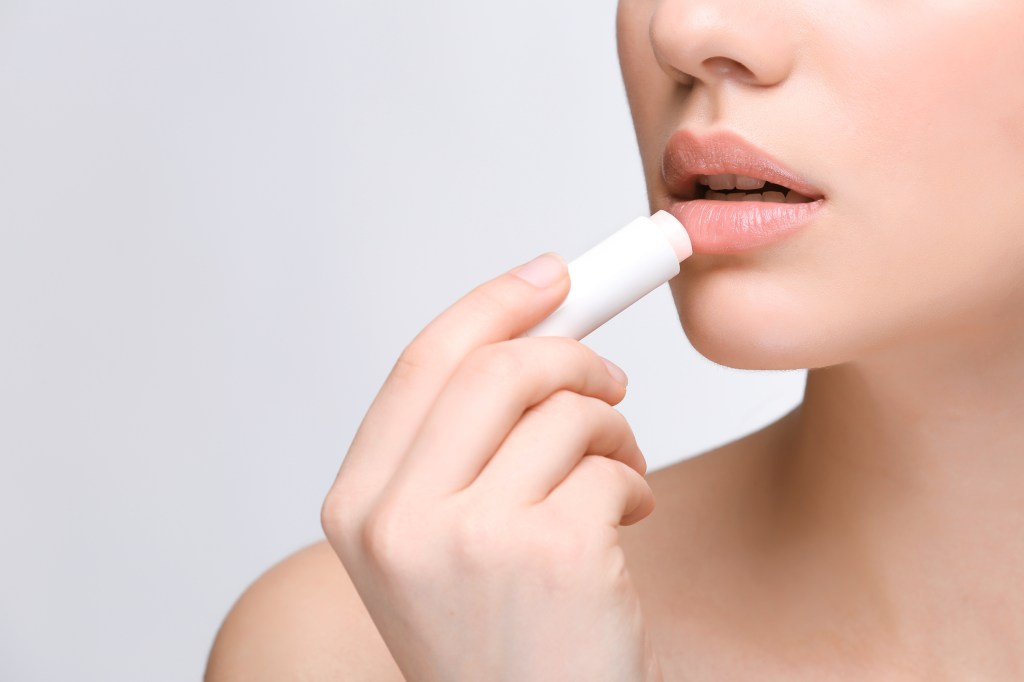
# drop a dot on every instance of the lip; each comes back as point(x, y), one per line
point(716, 226)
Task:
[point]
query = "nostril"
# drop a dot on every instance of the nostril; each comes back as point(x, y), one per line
point(723, 67)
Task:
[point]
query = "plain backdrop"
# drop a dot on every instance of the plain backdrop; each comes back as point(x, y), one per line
point(220, 222)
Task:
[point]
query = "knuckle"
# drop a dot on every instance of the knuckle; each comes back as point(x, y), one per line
point(574, 353)
point(583, 354)
point(608, 472)
point(415, 359)
point(607, 467)
point(342, 507)
point(489, 300)
point(480, 540)
point(564, 404)
point(587, 356)
point(557, 550)
point(386, 537)
point(334, 514)
point(495, 362)
point(619, 423)
point(589, 365)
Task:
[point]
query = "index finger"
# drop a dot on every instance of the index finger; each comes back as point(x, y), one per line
point(497, 310)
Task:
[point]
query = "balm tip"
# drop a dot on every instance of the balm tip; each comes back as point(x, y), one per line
point(675, 232)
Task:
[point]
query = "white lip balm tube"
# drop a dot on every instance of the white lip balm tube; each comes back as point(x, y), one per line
point(616, 273)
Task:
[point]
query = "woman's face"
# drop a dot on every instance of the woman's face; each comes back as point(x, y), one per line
point(908, 115)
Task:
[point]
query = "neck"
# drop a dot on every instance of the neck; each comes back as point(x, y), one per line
point(908, 468)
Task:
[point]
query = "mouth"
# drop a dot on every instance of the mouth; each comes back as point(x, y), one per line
point(732, 187)
point(732, 197)
point(725, 167)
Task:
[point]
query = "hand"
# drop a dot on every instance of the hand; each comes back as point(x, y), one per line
point(476, 511)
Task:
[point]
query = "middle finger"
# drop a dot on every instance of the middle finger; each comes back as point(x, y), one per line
point(483, 400)
point(549, 442)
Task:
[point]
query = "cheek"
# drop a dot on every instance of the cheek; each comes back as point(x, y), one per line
point(655, 100)
point(938, 159)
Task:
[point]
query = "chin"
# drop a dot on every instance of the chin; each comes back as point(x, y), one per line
point(754, 323)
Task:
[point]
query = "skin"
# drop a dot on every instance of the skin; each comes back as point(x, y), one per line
point(899, 487)
point(876, 531)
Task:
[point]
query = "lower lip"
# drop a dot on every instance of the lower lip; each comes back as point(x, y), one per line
point(734, 226)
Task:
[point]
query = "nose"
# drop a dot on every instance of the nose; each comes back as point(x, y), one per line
point(718, 41)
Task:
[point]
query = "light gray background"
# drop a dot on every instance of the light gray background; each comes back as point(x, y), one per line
point(220, 222)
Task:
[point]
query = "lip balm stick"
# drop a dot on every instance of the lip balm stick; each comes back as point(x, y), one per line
point(616, 273)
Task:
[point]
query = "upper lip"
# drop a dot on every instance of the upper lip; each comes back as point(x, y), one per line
point(688, 156)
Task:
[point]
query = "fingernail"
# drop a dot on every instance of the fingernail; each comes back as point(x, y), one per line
point(616, 372)
point(542, 271)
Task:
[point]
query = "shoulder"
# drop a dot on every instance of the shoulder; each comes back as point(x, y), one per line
point(304, 620)
point(692, 558)
point(703, 493)
point(301, 620)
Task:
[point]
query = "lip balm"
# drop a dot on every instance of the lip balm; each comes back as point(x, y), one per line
point(616, 273)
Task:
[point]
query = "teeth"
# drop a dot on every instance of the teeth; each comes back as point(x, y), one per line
point(792, 197)
point(744, 182)
point(725, 181)
point(730, 181)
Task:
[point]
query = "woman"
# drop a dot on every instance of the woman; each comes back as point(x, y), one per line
point(875, 532)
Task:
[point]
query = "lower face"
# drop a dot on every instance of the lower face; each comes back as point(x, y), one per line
point(910, 119)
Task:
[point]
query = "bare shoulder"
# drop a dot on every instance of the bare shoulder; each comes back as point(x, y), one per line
point(704, 494)
point(690, 559)
point(304, 620)
point(301, 620)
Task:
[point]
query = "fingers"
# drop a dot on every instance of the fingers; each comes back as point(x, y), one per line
point(485, 398)
point(548, 443)
point(600, 489)
point(497, 310)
